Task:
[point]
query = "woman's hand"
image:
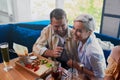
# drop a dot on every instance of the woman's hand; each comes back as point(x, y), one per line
point(74, 64)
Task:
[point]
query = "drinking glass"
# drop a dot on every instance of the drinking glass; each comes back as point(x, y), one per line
point(56, 71)
point(5, 55)
point(74, 74)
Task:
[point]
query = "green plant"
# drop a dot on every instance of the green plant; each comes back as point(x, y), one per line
point(76, 7)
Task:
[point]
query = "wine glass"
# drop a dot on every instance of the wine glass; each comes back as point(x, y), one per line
point(4, 47)
point(74, 74)
point(56, 70)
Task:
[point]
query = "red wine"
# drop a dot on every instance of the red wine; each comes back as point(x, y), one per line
point(57, 75)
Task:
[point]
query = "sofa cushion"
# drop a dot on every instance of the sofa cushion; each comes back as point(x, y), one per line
point(36, 25)
point(107, 48)
point(5, 33)
point(104, 37)
point(106, 54)
point(25, 36)
point(106, 45)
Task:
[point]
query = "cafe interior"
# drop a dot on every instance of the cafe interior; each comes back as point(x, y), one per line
point(28, 53)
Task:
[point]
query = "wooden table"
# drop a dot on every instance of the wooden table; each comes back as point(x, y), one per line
point(16, 73)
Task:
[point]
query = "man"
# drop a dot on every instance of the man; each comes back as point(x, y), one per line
point(56, 39)
point(92, 62)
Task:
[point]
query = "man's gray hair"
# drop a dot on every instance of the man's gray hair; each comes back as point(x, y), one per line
point(87, 20)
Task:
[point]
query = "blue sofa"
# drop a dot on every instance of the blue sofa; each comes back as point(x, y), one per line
point(26, 33)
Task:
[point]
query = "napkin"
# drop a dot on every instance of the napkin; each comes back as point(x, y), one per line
point(20, 49)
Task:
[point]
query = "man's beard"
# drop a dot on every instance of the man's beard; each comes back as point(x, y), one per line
point(61, 33)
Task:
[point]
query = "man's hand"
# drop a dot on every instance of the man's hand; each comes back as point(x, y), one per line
point(54, 53)
point(57, 52)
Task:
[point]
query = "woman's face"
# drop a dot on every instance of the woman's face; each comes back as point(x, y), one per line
point(80, 32)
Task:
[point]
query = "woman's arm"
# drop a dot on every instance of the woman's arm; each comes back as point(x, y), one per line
point(109, 78)
point(79, 68)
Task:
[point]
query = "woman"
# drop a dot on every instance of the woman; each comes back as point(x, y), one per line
point(89, 51)
point(112, 71)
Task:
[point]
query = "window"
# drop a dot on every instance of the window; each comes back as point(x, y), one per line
point(6, 14)
point(75, 7)
point(41, 8)
point(3, 6)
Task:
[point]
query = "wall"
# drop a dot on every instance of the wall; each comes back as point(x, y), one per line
point(4, 17)
point(15, 11)
point(21, 10)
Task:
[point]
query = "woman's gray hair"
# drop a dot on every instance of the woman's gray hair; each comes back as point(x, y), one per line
point(87, 20)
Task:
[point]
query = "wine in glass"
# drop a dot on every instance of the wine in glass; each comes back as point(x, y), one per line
point(56, 71)
point(5, 55)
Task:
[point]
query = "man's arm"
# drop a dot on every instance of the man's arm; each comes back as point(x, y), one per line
point(40, 45)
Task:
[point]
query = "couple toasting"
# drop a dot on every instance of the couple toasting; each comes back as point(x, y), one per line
point(72, 47)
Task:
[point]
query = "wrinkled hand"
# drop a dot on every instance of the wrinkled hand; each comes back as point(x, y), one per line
point(57, 52)
point(70, 63)
point(74, 64)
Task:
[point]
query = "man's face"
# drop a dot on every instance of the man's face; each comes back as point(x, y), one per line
point(59, 26)
point(80, 33)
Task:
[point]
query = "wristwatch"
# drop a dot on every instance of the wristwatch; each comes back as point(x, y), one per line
point(81, 66)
